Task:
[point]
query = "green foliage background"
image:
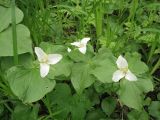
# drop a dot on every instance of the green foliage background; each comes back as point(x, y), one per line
point(80, 87)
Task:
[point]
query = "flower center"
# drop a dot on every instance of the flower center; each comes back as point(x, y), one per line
point(124, 70)
point(44, 59)
point(81, 45)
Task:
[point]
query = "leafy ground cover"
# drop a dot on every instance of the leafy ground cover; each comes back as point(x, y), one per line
point(79, 60)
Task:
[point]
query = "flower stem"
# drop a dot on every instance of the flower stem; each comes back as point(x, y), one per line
point(14, 33)
point(157, 65)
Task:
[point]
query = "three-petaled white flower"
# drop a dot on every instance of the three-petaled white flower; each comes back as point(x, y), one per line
point(123, 71)
point(82, 45)
point(46, 60)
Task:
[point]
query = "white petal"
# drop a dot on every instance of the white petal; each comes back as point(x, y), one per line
point(121, 62)
point(76, 44)
point(69, 50)
point(118, 75)
point(44, 69)
point(130, 76)
point(82, 49)
point(40, 53)
point(85, 40)
point(54, 58)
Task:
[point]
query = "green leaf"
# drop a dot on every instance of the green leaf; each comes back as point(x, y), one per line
point(154, 109)
point(50, 48)
point(27, 84)
point(24, 42)
point(130, 90)
point(81, 77)
point(24, 59)
point(80, 104)
point(95, 115)
point(5, 15)
point(108, 105)
point(23, 112)
point(63, 68)
point(77, 56)
point(62, 100)
point(105, 66)
point(136, 115)
point(145, 84)
point(135, 64)
point(130, 94)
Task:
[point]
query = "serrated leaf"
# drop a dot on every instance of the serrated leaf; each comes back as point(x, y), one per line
point(27, 84)
point(24, 43)
point(5, 15)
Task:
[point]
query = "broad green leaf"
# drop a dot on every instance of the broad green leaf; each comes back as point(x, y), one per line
point(50, 48)
point(24, 43)
point(154, 109)
point(145, 84)
point(62, 100)
point(27, 84)
point(77, 56)
point(130, 90)
point(136, 115)
point(59, 100)
point(62, 69)
point(23, 112)
point(130, 94)
point(97, 114)
point(81, 77)
point(80, 104)
point(108, 105)
point(135, 63)
point(5, 15)
point(92, 95)
point(105, 66)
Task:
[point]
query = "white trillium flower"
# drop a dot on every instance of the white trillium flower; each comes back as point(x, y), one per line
point(69, 50)
point(46, 60)
point(123, 71)
point(82, 45)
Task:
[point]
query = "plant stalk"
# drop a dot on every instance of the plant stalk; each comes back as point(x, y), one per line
point(14, 32)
